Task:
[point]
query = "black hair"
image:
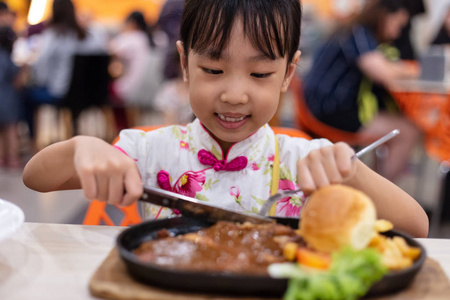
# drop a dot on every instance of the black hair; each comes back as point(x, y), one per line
point(3, 6)
point(137, 18)
point(63, 18)
point(7, 38)
point(273, 27)
point(375, 12)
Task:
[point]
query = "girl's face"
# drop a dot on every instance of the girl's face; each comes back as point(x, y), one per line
point(393, 24)
point(235, 95)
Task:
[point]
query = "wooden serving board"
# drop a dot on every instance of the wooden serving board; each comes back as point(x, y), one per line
point(112, 281)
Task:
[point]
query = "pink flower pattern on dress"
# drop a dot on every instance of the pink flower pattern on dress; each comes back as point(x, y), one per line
point(255, 166)
point(163, 180)
point(292, 208)
point(184, 145)
point(190, 183)
point(235, 192)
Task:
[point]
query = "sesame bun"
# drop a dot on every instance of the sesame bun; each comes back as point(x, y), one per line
point(337, 216)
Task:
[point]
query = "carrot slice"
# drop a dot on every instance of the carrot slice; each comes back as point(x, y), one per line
point(313, 259)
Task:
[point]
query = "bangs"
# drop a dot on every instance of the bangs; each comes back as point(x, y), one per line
point(272, 27)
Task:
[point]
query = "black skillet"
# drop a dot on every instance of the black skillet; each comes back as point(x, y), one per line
point(226, 283)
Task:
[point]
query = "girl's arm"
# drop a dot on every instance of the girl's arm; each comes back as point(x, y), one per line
point(391, 202)
point(334, 164)
point(103, 172)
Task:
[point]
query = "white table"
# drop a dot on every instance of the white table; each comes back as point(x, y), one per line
point(54, 261)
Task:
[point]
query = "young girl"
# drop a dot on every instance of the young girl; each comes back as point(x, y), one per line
point(237, 57)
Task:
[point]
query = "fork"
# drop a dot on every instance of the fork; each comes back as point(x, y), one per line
point(272, 199)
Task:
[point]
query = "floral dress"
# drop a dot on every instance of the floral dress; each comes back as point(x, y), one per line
point(189, 161)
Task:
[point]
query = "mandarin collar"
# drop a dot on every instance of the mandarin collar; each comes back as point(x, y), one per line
point(242, 148)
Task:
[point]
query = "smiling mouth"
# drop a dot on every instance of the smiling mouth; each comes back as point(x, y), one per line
point(231, 119)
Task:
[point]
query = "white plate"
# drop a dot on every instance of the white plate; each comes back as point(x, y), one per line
point(11, 218)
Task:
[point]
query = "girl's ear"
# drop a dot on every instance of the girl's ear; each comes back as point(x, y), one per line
point(183, 61)
point(290, 71)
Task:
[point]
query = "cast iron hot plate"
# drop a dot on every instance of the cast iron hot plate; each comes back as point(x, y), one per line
point(226, 283)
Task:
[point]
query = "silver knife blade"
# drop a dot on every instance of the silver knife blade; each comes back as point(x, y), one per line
point(194, 208)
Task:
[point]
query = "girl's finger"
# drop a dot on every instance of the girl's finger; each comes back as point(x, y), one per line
point(102, 187)
point(305, 180)
point(344, 162)
point(88, 184)
point(133, 187)
point(330, 167)
point(318, 172)
point(116, 189)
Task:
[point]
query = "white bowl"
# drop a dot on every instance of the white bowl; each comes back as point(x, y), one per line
point(11, 218)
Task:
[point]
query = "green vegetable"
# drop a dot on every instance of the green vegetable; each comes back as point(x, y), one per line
point(350, 276)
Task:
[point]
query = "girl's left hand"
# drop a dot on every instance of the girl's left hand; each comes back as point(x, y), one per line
point(328, 165)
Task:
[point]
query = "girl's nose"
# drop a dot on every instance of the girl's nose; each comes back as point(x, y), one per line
point(235, 93)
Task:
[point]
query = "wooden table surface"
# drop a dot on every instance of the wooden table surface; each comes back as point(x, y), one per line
point(56, 261)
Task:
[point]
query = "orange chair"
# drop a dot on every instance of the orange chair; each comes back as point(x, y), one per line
point(96, 213)
point(293, 132)
point(309, 123)
point(431, 112)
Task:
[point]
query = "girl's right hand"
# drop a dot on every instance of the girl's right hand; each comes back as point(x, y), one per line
point(105, 173)
point(324, 166)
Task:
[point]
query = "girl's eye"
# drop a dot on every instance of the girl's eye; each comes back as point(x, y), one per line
point(211, 71)
point(260, 75)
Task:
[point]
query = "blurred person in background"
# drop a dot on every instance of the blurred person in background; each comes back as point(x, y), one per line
point(7, 17)
point(443, 35)
point(141, 68)
point(10, 102)
point(346, 87)
point(3, 12)
point(403, 43)
point(86, 19)
point(172, 99)
point(169, 21)
point(62, 38)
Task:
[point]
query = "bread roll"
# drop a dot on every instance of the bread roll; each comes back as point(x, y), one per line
point(337, 216)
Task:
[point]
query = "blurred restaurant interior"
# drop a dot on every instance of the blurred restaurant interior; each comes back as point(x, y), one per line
point(116, 81)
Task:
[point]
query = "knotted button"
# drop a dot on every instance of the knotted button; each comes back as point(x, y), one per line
point(208, 159)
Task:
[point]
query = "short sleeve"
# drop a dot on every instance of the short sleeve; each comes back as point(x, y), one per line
point(292, 149)
point(135, 143)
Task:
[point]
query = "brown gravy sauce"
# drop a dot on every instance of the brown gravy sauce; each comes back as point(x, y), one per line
point(224, 247)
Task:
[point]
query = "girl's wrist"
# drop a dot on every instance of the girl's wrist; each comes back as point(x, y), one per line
point(357, 177)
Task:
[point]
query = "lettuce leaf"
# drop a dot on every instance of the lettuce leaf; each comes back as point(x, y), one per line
point(350, 276)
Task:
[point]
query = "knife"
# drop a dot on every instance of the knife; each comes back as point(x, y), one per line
point(194, 208)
